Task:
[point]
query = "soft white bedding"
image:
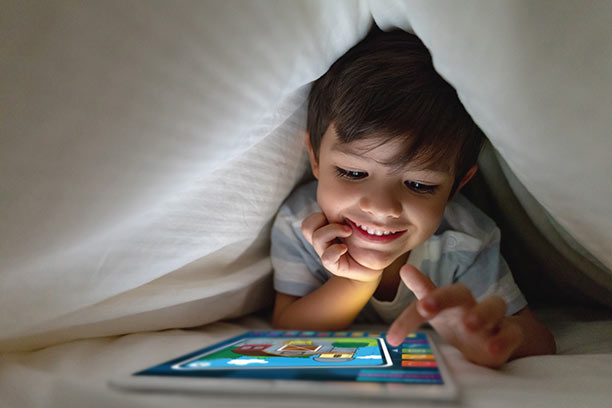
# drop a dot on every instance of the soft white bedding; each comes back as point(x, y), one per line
point(146, 145)
point(75, 373)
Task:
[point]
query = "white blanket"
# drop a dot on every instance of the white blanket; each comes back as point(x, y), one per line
point(146, 145)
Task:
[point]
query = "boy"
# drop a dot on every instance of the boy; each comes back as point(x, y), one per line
point(383, 230)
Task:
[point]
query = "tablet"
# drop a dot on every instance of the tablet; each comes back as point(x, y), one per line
point(316, 364)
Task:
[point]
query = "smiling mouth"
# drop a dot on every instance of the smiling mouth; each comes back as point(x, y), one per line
point(372, 234)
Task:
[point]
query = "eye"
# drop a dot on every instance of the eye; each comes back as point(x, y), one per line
point(420, 187)
point(350, 174)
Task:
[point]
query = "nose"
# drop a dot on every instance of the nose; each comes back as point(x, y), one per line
point(381, 203)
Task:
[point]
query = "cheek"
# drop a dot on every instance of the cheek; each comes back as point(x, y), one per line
point(428, 216)
point(325, 199)
point(333, 198)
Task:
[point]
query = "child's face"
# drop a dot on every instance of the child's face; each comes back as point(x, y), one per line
point(400, 209)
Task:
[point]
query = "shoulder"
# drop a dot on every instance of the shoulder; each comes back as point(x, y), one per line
point(297, 206)
point(467, 239)
point(301, 202)
point(464, 217)
point(287, 234)
point(465, 231)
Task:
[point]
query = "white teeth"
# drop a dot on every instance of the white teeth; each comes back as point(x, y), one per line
point(374, 232)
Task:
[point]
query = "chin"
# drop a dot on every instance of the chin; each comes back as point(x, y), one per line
point(370, 259)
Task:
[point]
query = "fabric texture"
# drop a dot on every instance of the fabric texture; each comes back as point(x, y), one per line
point(465, 249)
point(145, 150)
point(145, 147)
point(548, 265)
point(75, 374)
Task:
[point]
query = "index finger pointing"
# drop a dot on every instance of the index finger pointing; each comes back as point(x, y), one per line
point(416, 281)
point(408, 321)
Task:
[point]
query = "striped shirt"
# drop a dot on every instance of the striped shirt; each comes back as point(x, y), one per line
point(464, 249)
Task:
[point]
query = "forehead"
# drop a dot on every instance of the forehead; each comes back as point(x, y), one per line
point(389, 152)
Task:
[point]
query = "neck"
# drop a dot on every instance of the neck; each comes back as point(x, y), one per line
point(387, 288)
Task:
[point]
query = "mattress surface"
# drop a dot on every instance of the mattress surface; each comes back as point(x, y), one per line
point(76, 373)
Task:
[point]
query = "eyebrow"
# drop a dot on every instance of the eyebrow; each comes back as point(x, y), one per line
point(362, 157)
point(398, 167)
point(349, 152)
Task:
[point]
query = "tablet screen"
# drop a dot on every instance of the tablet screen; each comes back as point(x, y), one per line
point(311, 356)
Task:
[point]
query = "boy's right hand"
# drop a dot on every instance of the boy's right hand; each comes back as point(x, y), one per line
point(325, 239)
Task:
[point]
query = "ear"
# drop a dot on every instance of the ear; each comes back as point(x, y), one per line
point(314, 164)
point(468, 176)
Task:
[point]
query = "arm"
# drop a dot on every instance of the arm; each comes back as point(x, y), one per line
point(333, 306)
point(537, 339)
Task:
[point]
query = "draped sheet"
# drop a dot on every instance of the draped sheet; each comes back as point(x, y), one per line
point(145, 146)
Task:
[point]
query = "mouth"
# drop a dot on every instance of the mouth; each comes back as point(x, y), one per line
point(374, 234)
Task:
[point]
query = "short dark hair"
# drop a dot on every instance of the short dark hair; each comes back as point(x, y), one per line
point(386, 87)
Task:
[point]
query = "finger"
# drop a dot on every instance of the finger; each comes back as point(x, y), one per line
point(446, 297)
point(509, 337)
point(416, 281)
point(312, 223)
point(327, 234)
point(407, 322)
point(486, 315)
point(330, 258)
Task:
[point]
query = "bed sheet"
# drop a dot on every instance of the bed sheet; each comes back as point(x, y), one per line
point(75, 373)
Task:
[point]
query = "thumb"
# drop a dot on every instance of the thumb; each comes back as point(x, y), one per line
point(416, 281)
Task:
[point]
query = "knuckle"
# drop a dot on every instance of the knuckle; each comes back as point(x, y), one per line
point(494, 305)
point(330, 258)
point(464, 291)
point(329, 254)
point(327, 263)
point(317, 236)
point(312, 220)
point(318, 218)
point(307, 231)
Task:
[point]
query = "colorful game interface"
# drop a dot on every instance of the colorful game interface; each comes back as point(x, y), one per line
point(311, 356)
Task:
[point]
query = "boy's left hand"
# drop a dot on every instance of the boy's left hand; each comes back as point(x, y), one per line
point(481, 331)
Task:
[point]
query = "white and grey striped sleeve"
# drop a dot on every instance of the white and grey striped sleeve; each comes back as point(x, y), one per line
point(297, 267)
